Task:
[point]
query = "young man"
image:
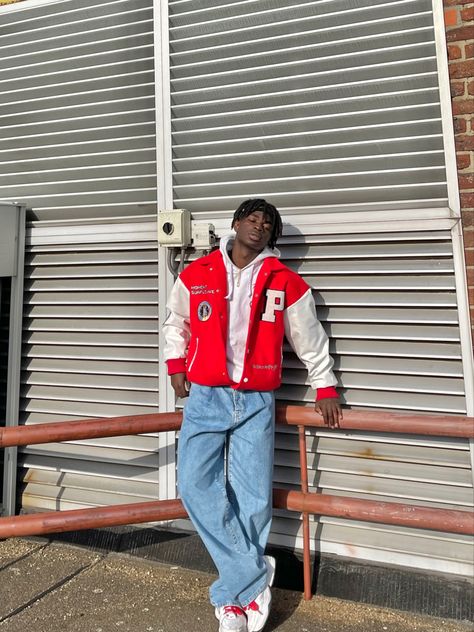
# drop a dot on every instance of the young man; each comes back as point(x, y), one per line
point(229, 312)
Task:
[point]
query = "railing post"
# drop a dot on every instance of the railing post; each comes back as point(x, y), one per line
point(305, 515)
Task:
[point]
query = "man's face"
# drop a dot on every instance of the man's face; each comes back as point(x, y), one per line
point(254, 231)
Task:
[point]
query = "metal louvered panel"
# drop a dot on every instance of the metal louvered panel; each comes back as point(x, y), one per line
point(426, 471)
point(77, 121)
point(395, 341)
point(90, 350)
point(416, 548)
point(398, 349)
point(333, 107)
point(314, 104)
point(388, 304)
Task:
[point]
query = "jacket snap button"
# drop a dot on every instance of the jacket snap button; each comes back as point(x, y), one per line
point(246, 379)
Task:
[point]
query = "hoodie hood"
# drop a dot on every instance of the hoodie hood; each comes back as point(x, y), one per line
point(253, 267)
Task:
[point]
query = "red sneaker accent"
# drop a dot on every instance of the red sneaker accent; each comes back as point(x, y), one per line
point(234, 609)
point(252, 606)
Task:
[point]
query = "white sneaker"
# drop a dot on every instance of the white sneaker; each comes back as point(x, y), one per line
point(271, 565)
point(231, 619)
point(257, 612)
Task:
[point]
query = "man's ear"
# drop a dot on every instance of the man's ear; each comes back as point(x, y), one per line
point(235, 225)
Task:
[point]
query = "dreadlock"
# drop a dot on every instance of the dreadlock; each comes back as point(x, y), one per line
point(258, 204)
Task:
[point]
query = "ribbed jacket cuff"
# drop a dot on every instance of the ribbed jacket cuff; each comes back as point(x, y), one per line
point(328, 392)
point(176, 365)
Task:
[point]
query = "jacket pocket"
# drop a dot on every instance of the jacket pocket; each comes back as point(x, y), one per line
point(190, 365)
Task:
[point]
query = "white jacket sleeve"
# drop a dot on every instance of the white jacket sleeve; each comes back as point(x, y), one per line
point(176, 326)
point(309, 341)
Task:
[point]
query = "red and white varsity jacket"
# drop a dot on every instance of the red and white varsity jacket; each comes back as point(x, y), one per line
point(282, 304)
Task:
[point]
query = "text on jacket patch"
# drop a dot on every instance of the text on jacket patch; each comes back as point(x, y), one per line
point(275, 302)
point(201, 289)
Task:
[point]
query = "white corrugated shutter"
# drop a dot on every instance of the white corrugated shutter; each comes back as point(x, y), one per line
point(332, 109)
point(77, 108)
point(318, 105)
point(388, 304)
point(77, 140)
point(90, 350)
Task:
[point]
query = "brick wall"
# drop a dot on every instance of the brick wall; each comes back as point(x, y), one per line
point(459, 21)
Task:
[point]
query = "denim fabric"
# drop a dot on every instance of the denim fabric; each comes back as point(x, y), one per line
point(229, 500)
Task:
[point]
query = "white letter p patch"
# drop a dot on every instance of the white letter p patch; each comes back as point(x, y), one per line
point(275, 303)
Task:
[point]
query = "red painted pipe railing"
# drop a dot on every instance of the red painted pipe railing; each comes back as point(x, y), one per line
point(382, 421)
point(322, 504)
point(94, 518)
point(450, 426)
point(89, 429)
point(450, 520)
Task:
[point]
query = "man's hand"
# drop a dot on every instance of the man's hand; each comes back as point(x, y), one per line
point(178, 382)
point(330, 410)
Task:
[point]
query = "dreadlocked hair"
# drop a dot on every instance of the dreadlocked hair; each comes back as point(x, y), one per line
point(258, 204)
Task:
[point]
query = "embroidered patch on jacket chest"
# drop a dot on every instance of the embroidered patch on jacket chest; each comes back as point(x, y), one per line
point(275, 302)
point(204, 310)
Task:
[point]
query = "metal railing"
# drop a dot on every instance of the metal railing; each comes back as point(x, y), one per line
point(304, 502)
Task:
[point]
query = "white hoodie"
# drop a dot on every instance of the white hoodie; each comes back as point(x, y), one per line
point(240, 283)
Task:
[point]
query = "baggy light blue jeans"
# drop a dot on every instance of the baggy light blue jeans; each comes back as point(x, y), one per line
point(229, 500)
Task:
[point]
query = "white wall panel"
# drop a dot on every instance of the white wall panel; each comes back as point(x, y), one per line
point(77, 110)
point(90, 347)
point(313, 104)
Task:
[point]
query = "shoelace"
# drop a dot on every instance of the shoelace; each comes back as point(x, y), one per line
point(253, 605)
point(233, 610)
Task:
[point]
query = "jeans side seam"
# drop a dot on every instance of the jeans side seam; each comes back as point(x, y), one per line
point(227, 521)
point(246, 601)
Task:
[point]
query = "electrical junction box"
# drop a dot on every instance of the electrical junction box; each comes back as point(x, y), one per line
point(174, 228)
point(203, 236)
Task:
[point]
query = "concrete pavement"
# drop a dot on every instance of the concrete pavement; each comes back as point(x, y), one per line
point(55, 587)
